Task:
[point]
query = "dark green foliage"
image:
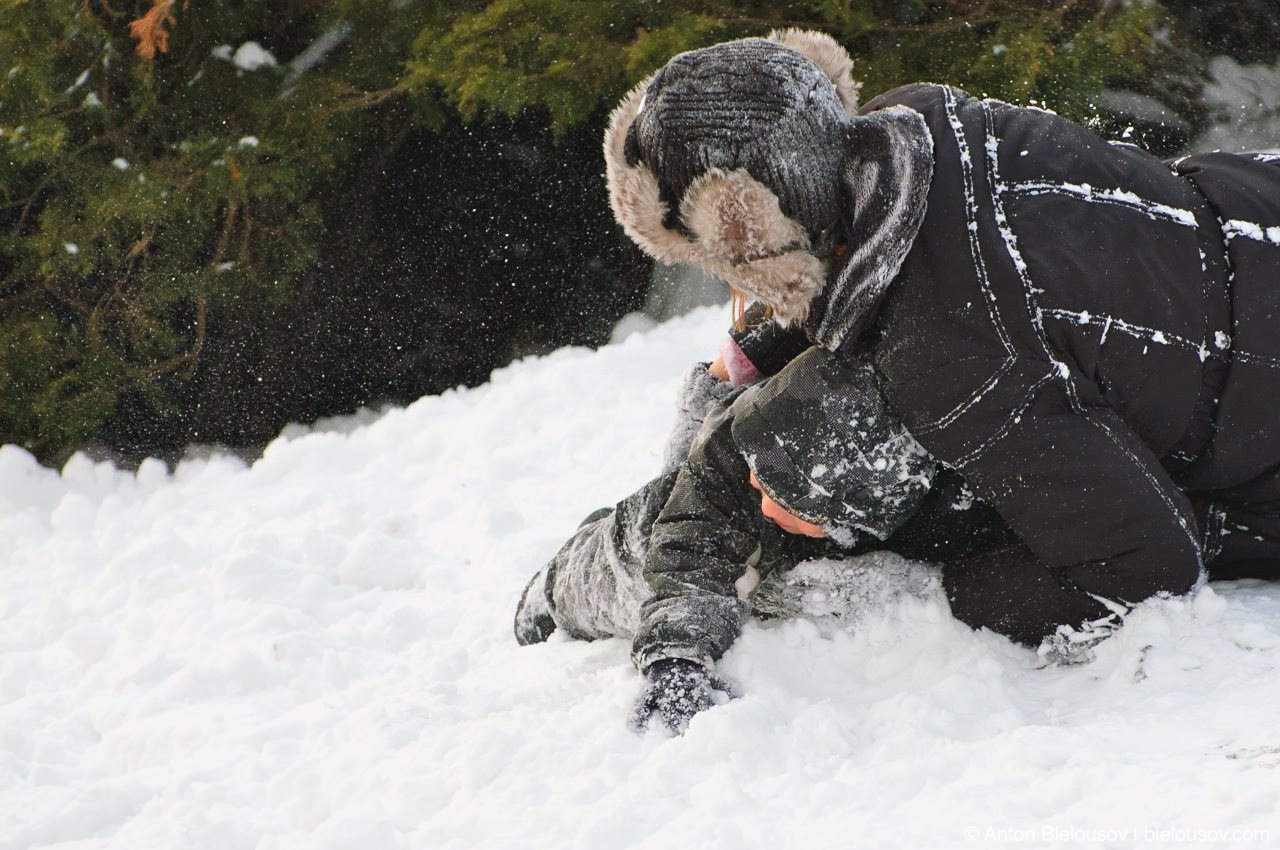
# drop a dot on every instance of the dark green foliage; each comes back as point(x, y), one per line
point(150, 207)
point(572, 55)
point(191, 251)
point(1055, 53)
point(1247, 30)
point(566, 56)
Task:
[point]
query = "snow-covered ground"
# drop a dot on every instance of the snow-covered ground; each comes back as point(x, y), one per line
point(315, 652)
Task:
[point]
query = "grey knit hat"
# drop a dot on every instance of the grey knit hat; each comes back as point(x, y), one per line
point(731, 157)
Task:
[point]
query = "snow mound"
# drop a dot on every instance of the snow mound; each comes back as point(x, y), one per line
point(315, 651)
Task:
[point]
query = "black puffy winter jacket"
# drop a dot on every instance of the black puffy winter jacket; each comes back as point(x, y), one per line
point(1092, 339)
point(1089, 336)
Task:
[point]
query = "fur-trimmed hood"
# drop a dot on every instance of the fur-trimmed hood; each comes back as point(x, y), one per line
point(733, 224)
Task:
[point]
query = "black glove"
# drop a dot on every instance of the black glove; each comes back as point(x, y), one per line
point(677, 690)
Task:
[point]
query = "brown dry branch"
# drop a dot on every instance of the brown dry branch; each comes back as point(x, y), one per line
point(189, 358)
point(246, 235)
point(93, 323)
point(224, 236)
point(150, 30)
point(137, 248)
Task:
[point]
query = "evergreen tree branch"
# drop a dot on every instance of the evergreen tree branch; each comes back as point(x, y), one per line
point(188, 358)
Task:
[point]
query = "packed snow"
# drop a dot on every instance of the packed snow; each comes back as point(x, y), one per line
point(315, 651)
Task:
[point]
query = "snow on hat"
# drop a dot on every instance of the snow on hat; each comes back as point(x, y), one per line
point(731, 157)
point(824, 444)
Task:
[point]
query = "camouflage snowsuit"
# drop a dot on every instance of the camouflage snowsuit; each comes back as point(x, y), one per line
point(678, 565)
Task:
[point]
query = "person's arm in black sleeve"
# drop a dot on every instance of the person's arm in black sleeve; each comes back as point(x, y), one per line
point(951, 523)
point(1101, 525)
point(700, 546)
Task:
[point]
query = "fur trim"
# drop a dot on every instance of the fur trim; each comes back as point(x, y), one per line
point(740, 233)
point(744, 238)
point(633, 190)
point(737, 218)
point(787, 282)
point(825, 52)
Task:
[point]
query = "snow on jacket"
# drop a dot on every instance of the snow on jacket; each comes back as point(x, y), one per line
point(1087, 337)
point(1078, 329)
point(710, 541)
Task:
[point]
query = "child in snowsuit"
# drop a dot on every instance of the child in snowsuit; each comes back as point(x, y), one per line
point(678, 566)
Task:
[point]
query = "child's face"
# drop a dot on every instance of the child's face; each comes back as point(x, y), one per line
point(787, 522)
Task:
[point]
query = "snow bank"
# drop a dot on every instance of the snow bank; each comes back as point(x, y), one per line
point(1243, 102)
point(315, 652)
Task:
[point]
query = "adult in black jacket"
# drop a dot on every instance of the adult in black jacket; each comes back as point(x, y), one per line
point(1088, 335)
